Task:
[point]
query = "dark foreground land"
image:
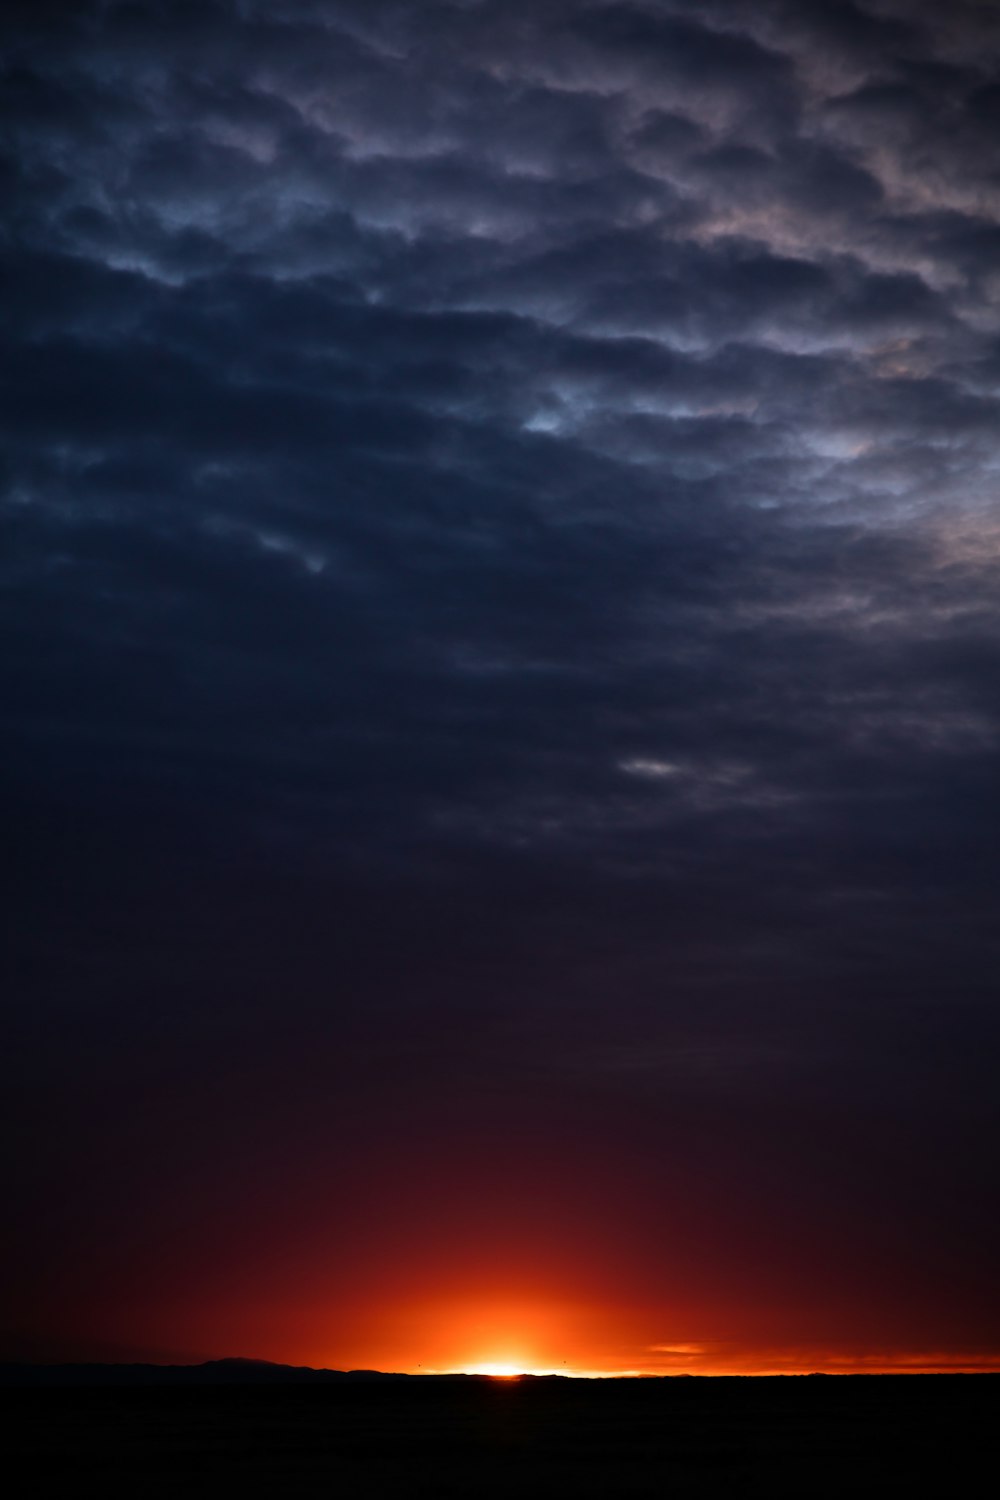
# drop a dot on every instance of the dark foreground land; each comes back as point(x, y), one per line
point(835, 1435)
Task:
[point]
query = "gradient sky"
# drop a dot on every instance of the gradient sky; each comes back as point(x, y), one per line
point(501, 720)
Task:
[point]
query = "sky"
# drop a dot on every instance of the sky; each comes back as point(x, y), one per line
point(500, 571)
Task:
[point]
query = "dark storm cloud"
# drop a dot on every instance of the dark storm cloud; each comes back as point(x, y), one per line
point(545, 450)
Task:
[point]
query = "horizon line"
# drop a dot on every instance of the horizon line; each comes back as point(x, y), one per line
point(970, 1367)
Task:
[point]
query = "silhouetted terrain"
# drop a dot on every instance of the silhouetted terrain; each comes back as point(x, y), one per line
point(241, 1426)
point(211, 1372)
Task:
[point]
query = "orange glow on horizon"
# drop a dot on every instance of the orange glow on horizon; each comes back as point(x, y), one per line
point(539, 1338)
point(526, 1332)
point(521, 1336)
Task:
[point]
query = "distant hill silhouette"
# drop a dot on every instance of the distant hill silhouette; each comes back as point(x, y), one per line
point(233, 1371)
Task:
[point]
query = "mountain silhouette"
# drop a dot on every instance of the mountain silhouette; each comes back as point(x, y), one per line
point(230, 1371)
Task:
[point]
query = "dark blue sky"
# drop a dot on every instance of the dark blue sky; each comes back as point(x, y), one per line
point(501, 551)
